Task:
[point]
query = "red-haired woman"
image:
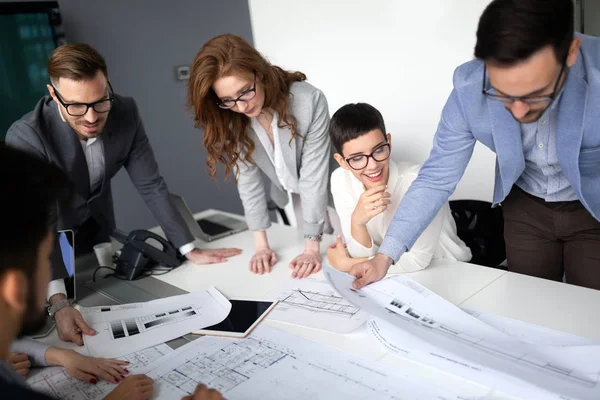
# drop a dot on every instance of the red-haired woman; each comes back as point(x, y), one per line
point(270, 128)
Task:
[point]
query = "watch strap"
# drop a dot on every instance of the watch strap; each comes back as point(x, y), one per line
point(56, 307)
point(316, 238)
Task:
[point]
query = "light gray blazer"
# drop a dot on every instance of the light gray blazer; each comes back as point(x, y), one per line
point(309, 155)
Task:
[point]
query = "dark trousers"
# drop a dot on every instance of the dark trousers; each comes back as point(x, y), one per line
point(89, 234)
point(549, 240)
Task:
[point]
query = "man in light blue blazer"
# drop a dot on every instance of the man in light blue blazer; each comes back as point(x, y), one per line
point(532, 95)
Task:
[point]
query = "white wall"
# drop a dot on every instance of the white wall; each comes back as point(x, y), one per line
point(397, 55)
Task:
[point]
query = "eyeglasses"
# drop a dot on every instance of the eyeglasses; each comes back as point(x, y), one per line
point(80, 109)
point(360, 161)
point(545, 99)
point(246, 95)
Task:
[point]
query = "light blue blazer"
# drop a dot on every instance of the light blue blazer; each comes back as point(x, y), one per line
point(469, 116)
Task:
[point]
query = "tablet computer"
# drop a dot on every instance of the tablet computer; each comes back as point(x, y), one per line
point(243, 317)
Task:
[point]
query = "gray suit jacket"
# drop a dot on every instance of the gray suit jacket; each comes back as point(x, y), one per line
point(43, 133)
point(309, 155)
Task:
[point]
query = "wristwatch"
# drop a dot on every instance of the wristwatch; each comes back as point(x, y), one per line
point(56, 307)
point(316, 238)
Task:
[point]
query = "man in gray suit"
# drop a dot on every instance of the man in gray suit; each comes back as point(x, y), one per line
point(91, 133)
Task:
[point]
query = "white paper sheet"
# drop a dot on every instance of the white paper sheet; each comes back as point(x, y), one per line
point(130, 327)
point(428, 329)
point(273, 364)
point(55, 382)
point(314, 303)
point(530, 333)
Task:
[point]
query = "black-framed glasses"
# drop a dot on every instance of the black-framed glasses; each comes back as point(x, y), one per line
point(246, 95)
point(360, 161)
point(544, 99)
point(80, 109)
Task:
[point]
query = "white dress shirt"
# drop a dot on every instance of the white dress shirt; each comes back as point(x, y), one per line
point(93, 149)
point(439, 240)
point(286, 178)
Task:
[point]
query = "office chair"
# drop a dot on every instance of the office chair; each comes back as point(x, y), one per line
point(481, 227)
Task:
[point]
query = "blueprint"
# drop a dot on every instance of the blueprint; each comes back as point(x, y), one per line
point(273, 364)
point(417, 324)
point(315, 304)
point(55, 382)
point(130, 327)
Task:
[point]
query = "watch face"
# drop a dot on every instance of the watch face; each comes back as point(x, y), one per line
point(59, 305)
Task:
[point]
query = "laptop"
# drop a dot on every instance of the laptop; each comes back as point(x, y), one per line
point(64, 252)
point(208, 228)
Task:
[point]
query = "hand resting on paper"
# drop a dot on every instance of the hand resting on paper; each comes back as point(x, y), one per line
point(204, 393)
point(87, 369)
point(134, 387)
point(141, 387)
point(70, 325)
point(370, 271)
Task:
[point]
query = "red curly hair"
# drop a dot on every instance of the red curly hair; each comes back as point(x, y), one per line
point(226, 132)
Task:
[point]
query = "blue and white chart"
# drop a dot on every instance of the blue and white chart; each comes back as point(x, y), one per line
point(127, 328)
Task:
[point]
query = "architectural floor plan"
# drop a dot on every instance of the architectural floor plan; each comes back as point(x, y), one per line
point(55, 382)
point(316, 304)
point(273, 364)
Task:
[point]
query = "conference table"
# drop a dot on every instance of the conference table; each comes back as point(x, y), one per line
point(546, 303)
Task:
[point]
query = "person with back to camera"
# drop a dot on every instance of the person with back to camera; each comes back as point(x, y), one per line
point(31, 189)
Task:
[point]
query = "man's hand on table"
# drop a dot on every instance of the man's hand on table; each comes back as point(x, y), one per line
point(211, 256)
point(69, 323)
point(370, 271)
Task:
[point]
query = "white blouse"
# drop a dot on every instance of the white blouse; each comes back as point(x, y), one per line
point(439, 240)
point(286, 178)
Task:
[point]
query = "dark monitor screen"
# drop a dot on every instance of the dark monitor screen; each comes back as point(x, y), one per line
point(28, 35)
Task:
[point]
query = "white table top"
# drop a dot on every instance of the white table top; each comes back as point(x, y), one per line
point(554, 305)
point(451, 280)
point(455, 281)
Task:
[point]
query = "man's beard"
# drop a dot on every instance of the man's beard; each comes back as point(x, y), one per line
point(33, 319)
point(532, 120)
point(84, 135)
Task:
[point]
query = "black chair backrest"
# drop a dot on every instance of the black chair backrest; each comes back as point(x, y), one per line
point(481, 227)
